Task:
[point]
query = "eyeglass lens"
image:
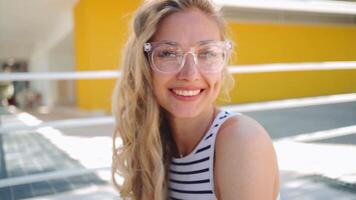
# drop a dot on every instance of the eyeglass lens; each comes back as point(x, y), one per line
point(169, 58)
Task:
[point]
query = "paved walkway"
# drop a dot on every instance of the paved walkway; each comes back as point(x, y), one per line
point(30, 153)
point(316, 148)
point(311, 166)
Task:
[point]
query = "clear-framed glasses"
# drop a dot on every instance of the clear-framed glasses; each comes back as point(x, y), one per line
point(169, 57)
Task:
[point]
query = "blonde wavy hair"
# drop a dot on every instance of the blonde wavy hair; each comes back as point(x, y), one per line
point(142, 158)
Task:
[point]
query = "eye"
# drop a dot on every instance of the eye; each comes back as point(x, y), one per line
point(207, 54)
point(167, 54)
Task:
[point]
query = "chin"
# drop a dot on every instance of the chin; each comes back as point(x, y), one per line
point(184, 112)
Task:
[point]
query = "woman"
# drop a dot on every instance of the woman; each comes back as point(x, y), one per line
point(176, 144)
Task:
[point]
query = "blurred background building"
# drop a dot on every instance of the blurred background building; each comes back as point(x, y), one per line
point(88, 35)
point(71, 35)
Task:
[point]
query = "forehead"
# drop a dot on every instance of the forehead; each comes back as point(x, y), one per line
point(187, 28)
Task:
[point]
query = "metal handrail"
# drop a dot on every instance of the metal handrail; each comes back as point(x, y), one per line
point(109, 120)
point(48, 175)
point(248, 107)
point(112, 74)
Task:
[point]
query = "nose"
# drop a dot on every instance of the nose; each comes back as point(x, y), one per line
point(190, 69)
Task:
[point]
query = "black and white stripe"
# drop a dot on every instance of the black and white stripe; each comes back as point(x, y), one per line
point(191, 177)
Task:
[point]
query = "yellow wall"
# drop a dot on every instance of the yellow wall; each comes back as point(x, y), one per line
point(273, 43)
point(282, 43)
point(101, 30)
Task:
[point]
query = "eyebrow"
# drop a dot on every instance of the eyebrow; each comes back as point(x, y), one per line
point(177, 44)
point(206, 41)
point(169, 42)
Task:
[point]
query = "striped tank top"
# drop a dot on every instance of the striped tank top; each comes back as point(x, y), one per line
point(191, 177)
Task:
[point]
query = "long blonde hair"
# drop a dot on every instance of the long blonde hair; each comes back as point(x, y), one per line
point(142, 158)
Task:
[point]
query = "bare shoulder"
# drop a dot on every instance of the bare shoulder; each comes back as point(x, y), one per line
point(245, 161)
point(243, 131)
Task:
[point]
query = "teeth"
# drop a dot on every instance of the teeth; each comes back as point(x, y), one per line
point(187, 93)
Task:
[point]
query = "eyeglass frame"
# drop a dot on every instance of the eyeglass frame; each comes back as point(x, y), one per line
point(149, 47)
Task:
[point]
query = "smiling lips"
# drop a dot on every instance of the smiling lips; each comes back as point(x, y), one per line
point(186, 94)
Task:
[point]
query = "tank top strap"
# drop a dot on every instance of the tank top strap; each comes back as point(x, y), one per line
point(221, 117)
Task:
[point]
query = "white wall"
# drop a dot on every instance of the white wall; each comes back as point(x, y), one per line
point(55, 52)
point(61, 58)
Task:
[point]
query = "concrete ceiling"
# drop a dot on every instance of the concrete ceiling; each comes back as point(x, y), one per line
point(24, 23)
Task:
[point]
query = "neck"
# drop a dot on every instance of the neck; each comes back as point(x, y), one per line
point(187, 132)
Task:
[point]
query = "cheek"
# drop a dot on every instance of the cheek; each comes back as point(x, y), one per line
point(217, 89)
point(215, 82)
point(156, 85)
point(159, 85)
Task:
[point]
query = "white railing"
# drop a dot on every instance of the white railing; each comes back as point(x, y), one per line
point(91, 121)
point(263, 68)
point(44, 176)
point(248, 107)
point(30, 76)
